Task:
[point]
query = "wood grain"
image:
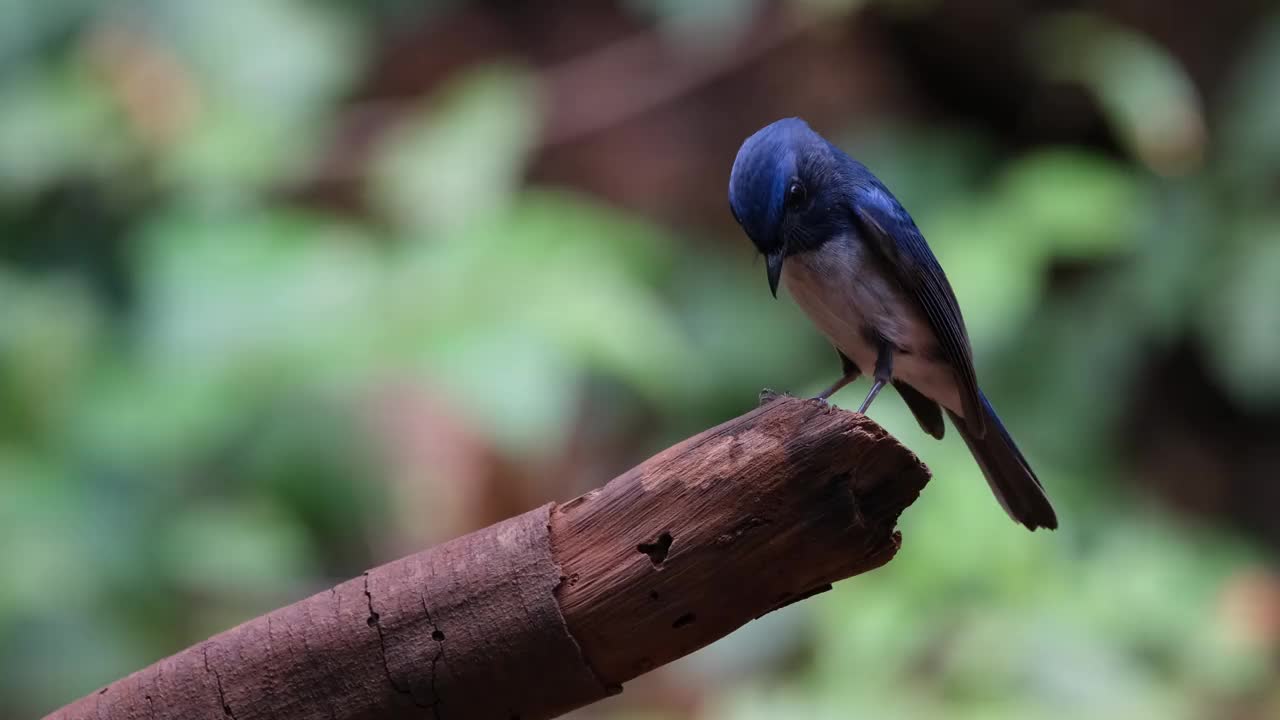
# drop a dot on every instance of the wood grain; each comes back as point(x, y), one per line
point(766, 509)
point(555, 608)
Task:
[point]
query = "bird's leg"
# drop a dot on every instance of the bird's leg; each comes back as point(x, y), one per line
point(884, 373)
point(835, 386)
point(849, 373)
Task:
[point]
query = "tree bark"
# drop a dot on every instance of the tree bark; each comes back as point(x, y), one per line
point(556, 608)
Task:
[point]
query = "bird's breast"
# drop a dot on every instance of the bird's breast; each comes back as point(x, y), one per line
point(847, 294)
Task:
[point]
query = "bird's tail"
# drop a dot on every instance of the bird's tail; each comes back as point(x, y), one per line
point(1011, 479)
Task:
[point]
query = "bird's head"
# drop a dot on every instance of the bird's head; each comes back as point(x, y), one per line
point(783, 189)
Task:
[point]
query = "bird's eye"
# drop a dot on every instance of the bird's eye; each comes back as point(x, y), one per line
point(795, 195)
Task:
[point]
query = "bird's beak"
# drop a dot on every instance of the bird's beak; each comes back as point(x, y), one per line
point(774, 262)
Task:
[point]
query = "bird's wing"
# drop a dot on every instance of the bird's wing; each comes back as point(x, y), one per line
point(887, 226)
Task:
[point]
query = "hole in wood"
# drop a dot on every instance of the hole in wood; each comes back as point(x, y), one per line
point(437, 636)
point(683, 620)
point(658, 549)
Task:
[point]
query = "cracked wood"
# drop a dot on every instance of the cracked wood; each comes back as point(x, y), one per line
point(744, 518)
point(557, 607)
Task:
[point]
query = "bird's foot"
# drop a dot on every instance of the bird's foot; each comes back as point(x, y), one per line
point(767, 396)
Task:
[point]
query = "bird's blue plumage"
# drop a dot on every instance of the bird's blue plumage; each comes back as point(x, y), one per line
point(757, 188)
point(858, 265)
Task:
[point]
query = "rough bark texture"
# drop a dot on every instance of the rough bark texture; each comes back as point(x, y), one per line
point(747, 517)
point(554, 609)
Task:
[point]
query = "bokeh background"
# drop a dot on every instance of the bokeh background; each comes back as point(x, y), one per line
point(289, 289)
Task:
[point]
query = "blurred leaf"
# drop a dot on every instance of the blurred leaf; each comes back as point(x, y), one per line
point(255, 296)
point(708, 24)
point(25, 25)
point(38, 676)
point(312, 456)
point(1167, 277)
point(1239, 324)
point(303, 56)
point(993, 261)
point(48, 335)
point(37, 508)
point(236, 552)
point(506, 310)
point(1146, 94)
point(255, 121)
point(56, 122)
point(1072, 204)
point(229, 153)
point(1063, 390)
point(719, 21)
point(1249, 144)
point(459, 156)
point(507, 307)
point(927, 167)
point(740, 352)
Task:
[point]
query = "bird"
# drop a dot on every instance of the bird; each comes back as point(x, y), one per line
point(858, 266)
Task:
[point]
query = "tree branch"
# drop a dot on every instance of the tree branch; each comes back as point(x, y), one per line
point(555, 608)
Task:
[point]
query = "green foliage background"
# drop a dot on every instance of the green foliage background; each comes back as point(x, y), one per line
point(194, 361)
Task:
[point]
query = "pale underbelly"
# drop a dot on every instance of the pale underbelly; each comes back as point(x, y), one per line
point(842, 314)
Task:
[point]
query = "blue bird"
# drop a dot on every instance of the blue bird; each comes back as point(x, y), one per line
point(858, 266)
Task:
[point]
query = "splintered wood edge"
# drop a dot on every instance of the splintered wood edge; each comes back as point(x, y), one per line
point(744, 518)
